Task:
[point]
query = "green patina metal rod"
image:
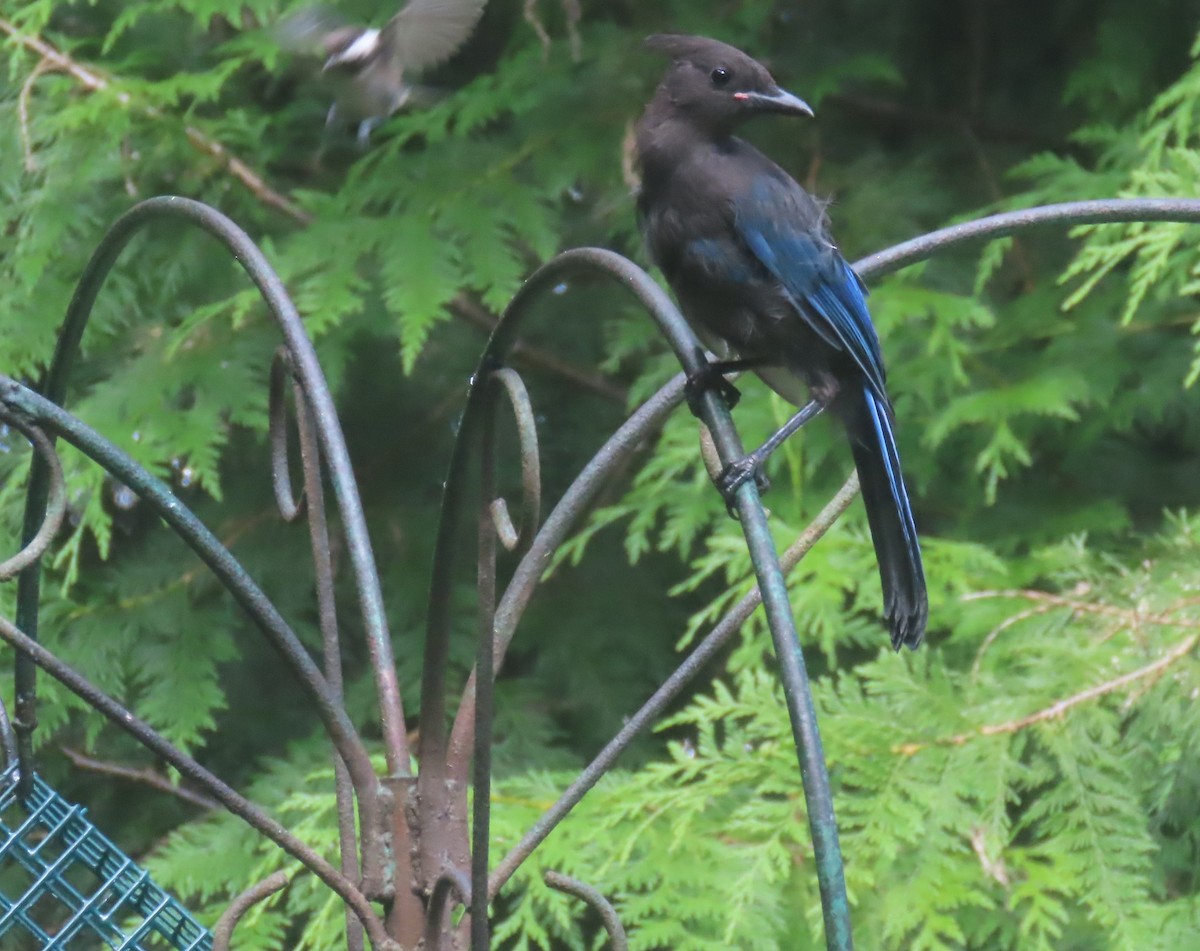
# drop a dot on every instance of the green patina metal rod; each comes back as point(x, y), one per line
point(814, 775)
point(304, 359)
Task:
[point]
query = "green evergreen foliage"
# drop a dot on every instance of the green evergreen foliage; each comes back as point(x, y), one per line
point(1030, 779)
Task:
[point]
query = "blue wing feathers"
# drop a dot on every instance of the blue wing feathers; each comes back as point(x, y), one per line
point(828, 295)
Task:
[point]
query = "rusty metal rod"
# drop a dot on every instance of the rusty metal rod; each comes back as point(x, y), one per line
point(307, 368)
point(196, 535)
point(232, 916)
point(653, 708)
point(56, 506)
point(797, 693)
point(188, 767)
point(593, 896)
point(318, 531)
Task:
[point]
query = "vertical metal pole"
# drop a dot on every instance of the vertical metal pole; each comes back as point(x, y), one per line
point(484, 666)
point(318, 528)
point(814, 774)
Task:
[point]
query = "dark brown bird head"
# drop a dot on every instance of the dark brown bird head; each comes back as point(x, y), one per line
point(715, 86)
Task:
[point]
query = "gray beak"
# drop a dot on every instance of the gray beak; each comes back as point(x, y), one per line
point(775, 100)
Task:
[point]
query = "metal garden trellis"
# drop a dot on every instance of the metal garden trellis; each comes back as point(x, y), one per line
point(416, 852)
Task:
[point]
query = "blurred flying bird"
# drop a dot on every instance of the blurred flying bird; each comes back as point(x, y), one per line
point(372, 70)
point(748, 253)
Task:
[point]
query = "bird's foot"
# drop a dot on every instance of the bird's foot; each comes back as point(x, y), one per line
point(735, 474)
point(710, 377)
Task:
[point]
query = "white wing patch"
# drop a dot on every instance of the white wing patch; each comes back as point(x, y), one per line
point(362, 48)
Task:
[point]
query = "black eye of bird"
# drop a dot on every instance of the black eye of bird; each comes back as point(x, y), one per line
point(720, 76)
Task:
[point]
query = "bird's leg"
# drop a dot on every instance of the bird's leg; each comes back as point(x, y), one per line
point(331, 120)
point(712, 376)
point(749, 465)
point(364, 132)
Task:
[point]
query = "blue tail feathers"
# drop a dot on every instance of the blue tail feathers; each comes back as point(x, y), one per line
point(890, 517)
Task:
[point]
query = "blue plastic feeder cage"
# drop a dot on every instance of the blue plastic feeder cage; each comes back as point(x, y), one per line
point(65, 886)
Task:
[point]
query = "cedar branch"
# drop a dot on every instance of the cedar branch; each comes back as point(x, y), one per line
point(95, 82)
point(463, 306)
point(1150, 672)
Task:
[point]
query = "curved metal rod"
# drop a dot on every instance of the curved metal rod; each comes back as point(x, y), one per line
point(56, 507)
point(313, 502)
point(188, 767)
point(232, 916)
point(286, 501)
point(670, 689)
point(451, 880)
point(437, 631)
point(815, 779)
point(45, 485)
point(520, 589)
point(601, 905)
point(1098, 211)
point(562, 518)
point(191, 530)
point(531, 465)
point(484, 695)
point(307, 368)
point(444, 769)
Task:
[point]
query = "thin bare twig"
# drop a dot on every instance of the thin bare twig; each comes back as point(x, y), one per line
point(531, 17)
point(992, 867)
point(1001, 628)
point(1019, 252)
point(1131, 617)
point(42, 66)
point(144, 775)
point(630, 174)
point(463, 306)
point(574, 11)
point(94, 82)
point(1060, 707)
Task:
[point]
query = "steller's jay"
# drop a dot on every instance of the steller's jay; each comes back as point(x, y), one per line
point(747, 252)
point(370, 70)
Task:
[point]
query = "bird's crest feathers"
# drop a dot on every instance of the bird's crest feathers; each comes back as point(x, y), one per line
point(705, 52)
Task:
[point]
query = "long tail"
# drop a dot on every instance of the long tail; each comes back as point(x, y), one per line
point(906, 605)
